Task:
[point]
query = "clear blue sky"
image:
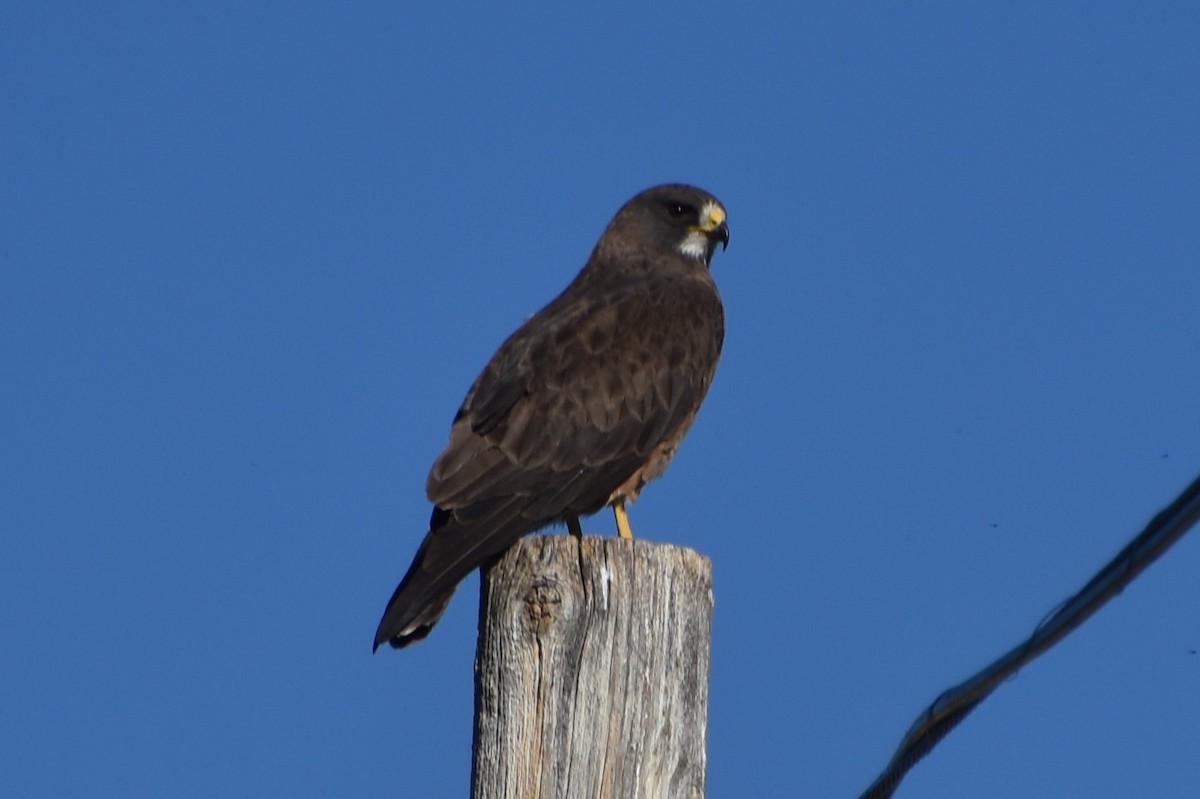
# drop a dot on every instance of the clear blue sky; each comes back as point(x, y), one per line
point(251, 259)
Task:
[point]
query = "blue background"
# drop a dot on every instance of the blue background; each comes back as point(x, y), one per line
point(252, 257)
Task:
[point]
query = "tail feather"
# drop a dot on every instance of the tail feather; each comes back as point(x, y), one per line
point(402, 624)
point(452, 549)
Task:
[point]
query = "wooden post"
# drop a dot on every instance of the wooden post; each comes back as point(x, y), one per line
point(591, 676)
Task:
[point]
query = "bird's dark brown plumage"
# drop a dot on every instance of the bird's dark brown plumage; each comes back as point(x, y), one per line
point(582, 405)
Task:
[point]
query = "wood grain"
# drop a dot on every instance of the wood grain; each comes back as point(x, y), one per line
point(592, 670)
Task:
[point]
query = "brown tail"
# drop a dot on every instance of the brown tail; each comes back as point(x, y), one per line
point(407, 619)
point(451, 550)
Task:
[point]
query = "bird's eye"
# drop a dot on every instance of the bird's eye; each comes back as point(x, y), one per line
point(677, 210)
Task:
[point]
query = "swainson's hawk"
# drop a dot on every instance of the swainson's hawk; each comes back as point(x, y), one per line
point(582, 406)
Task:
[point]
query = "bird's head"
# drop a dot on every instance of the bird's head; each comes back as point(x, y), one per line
point(676, 217)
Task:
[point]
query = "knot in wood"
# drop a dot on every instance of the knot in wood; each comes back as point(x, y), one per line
point(543, 602)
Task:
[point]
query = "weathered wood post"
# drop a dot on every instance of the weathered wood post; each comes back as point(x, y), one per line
point(591, 676)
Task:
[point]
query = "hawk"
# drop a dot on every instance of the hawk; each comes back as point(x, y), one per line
point(581, 406)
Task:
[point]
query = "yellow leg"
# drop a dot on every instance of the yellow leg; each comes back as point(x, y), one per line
point(623, 528)
point(573, 527)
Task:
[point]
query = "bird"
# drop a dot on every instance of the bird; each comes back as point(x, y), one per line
point(581, 406)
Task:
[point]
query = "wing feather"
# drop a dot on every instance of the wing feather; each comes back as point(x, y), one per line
point(577, 387)
point(569, 408)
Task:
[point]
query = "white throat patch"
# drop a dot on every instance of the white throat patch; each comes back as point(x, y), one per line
point(696, 243)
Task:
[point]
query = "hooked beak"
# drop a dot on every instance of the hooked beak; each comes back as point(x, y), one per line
point(720, 233)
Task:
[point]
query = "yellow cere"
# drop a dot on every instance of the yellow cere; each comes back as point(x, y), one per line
point(713, 216)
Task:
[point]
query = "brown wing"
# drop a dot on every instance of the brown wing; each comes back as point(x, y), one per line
point(568, 410)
